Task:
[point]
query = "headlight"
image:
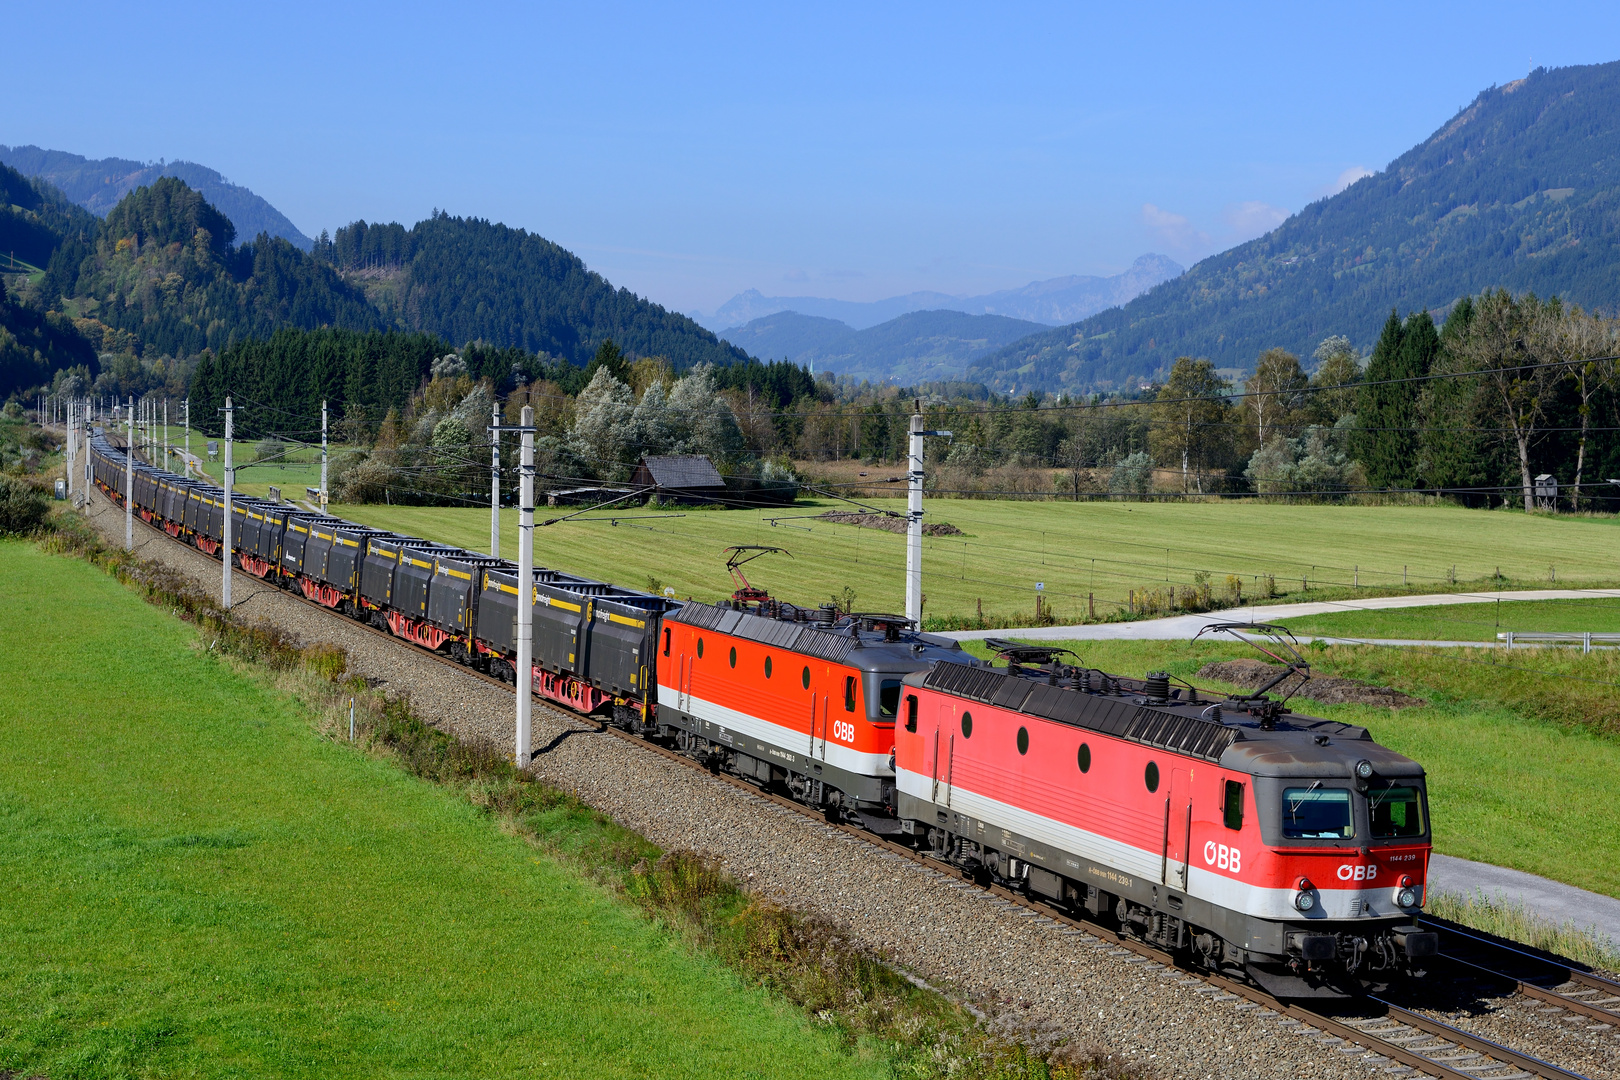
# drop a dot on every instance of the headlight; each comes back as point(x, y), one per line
point(1406, 897)
point(1304, 900)
point(1364, 769)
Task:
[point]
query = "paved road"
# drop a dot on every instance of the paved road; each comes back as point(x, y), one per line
point(1551, 900)
point(1182, 627)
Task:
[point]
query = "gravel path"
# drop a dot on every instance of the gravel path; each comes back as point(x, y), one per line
point(1036, 979)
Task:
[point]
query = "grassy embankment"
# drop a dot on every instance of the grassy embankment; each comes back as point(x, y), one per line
point(377, 911)
point(1080, 551)
point(1521, 749)
point(212, 888)
point(1466, 622)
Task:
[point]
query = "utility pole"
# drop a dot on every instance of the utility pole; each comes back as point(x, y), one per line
point(323, 456)
point(72, 445)
point(495, 481)
point(187, 469)
point(87, 418)
point(129, 480)
point(165, 433)
point(230, 476)
point(914, 515)
point(525, 575)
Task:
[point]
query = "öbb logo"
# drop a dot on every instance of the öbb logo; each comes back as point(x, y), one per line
point(1358, 872)
point(843, 732)
point(1222, 857)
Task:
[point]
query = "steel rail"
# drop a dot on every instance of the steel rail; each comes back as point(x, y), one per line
point(1371, 1040)
point(1607, 1010)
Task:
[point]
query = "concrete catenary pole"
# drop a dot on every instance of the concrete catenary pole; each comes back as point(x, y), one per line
point(165, 433)
point(914, 515)
point(187, 469)
point(323, 457)
point(230, 476)
point(88, 419)
point(129, 480)
point(495, 480)
point(525, 576)
point(72, 443)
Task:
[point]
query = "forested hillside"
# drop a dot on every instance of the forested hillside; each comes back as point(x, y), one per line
point(1520, 190)
point(160, 282)
point(467, 279)
point(162, 268)
point(98, 184)
point(33, 219)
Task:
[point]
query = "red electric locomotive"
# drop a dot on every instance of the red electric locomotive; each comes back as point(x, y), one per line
point(800, 699)
point(1290, 847)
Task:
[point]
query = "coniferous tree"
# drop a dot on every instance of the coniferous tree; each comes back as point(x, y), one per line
point(608, 355)
point(1385, 410)
point(1455, 456)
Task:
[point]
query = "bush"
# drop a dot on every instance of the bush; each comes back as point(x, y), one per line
point(22, 506)
point(269, 448)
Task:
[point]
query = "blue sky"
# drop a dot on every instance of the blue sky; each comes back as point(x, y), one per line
point(854, 151)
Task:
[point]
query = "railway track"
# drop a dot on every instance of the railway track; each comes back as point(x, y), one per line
point(1531, 973)
point(1409, 1039)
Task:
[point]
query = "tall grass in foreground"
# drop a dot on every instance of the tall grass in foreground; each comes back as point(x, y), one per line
point(806, 960)
point(1514, 922)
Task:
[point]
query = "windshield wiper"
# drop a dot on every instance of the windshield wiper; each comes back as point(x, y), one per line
point(1294, 809)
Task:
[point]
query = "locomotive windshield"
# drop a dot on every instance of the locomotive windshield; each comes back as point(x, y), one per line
point(889, 698)
point(1395, 811)
point(1317, 813)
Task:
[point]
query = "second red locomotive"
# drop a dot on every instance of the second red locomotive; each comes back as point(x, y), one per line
point(1291, 847)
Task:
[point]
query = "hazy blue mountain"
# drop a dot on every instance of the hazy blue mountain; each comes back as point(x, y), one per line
point(1521, 190)
point(98, 185)
point(1054, 301)
point(747, 306)
point(919, 346)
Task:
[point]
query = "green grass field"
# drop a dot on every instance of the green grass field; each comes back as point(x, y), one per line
point(1076, 549)
point(1517, 776)
point(292, 475)
point(1466, 622)
point(212, 889)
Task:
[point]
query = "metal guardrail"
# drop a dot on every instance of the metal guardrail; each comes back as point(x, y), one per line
point(1584, 640)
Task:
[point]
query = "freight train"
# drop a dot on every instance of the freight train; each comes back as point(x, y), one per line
point(1233, 831)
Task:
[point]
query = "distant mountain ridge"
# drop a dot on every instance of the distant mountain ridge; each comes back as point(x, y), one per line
point(1054, 301)
point(98, 185)
point(917, 347)
point(1519, 190)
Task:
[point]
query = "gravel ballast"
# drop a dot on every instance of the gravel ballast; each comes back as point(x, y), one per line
point(1036, 979)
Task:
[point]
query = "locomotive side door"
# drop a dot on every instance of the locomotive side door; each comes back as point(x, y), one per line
point(936, 743)
point(1178, 828)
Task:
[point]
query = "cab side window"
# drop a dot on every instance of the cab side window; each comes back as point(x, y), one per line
point(911, 712)
point(849, 693)
point(666, 641)
point(1233, 805)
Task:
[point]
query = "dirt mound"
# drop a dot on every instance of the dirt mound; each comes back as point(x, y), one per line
point(1253, 674)
point(888, 524)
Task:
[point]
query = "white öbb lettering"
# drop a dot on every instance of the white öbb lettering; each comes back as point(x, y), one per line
point(1358, 871)
point(843, 731)
point(1222, 857)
